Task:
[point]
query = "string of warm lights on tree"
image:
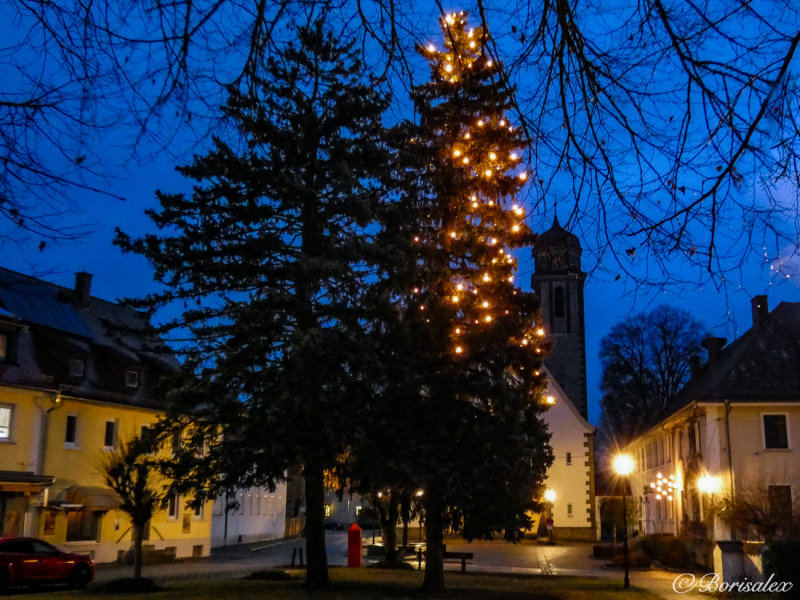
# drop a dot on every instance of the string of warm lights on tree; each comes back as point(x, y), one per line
point(480, 170)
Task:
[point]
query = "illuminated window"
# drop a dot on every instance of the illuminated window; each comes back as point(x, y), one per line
point(328, 510)
point(6, 414)
point(358, 510)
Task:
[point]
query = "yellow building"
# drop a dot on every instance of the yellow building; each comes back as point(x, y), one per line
point(76, 376)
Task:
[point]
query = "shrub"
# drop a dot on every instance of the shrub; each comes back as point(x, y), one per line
point(780, 558)
point(271, 575)
point(603, 551)
point(668, 550)
point(130, 585)
point(635, 559)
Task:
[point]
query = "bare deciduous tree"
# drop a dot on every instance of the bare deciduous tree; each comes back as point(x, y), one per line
point(665, 128)
point(646, 360)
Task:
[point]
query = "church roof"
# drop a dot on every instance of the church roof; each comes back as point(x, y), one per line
point(557, 236)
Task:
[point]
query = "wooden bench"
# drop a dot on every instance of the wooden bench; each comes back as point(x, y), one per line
point(462, 556)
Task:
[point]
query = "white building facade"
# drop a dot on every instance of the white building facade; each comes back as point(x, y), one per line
point(259, 516)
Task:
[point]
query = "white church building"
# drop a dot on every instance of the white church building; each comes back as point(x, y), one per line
point(558, 282)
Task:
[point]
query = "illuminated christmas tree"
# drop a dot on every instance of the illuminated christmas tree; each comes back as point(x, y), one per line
point(482, 445)
point(475, 220)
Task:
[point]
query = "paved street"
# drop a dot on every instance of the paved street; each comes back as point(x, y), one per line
point(528, 557)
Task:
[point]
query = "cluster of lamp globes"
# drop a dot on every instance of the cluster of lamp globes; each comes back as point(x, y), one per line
point(664, 486)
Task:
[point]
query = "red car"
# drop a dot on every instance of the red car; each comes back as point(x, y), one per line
point(28, 561)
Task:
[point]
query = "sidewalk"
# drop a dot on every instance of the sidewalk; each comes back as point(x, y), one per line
point(526, 558)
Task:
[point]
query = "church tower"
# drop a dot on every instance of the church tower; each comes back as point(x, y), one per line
point(558, 282)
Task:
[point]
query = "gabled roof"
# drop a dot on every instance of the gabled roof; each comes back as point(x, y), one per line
point(35, 301)
point(579, 418)
point(54, 327)
point(763, 365)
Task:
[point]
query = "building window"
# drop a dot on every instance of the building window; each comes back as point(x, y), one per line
point(199, 511)
point(569, 458)
point(569, 510)
point(775, 432)
point(3, 347)
point(77, 367)
point(780, 503)
point(6, 414)
point(559, 302)
point(131, 378)
point(49, 526)
point(176, 442)
point(328, 510)
point(82, 525)
point(172, 507)
point(110, 434)
point(71, 433)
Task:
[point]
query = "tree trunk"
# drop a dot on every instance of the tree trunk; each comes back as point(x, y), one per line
point(390, 529)
point(434, 541)
point(138, 534)
point(317, 571)
point(405, 516)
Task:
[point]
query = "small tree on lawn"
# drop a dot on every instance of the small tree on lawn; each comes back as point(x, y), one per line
point(129, 470)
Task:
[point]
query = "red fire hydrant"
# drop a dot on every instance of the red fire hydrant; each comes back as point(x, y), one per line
point(354, 546)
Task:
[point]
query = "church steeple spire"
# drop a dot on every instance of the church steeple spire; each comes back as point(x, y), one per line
point(558, 281)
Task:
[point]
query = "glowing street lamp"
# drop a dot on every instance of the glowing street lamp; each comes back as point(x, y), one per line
point(708, 484)
point(623, 466)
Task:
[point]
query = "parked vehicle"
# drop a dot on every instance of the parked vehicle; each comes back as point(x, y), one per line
point(29, 561)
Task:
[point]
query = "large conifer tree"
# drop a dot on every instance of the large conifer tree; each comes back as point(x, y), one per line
point(269, 257)
point(466, 335)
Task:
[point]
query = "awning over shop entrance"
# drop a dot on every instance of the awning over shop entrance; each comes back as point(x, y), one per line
point(24, 481)
point(92, 498)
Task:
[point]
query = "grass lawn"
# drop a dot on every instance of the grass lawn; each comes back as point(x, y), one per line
point(374, 584)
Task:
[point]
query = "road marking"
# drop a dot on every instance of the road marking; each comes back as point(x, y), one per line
point(544, 564)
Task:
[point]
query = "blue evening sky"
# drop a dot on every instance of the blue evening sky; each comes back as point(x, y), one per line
point(724, 307)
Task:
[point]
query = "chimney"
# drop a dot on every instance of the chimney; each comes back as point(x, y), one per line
point(760, 310)
point(695, 365)
point(713, 346)
point(83, 289)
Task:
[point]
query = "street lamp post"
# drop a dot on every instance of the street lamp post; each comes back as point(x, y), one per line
point(623, 466)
